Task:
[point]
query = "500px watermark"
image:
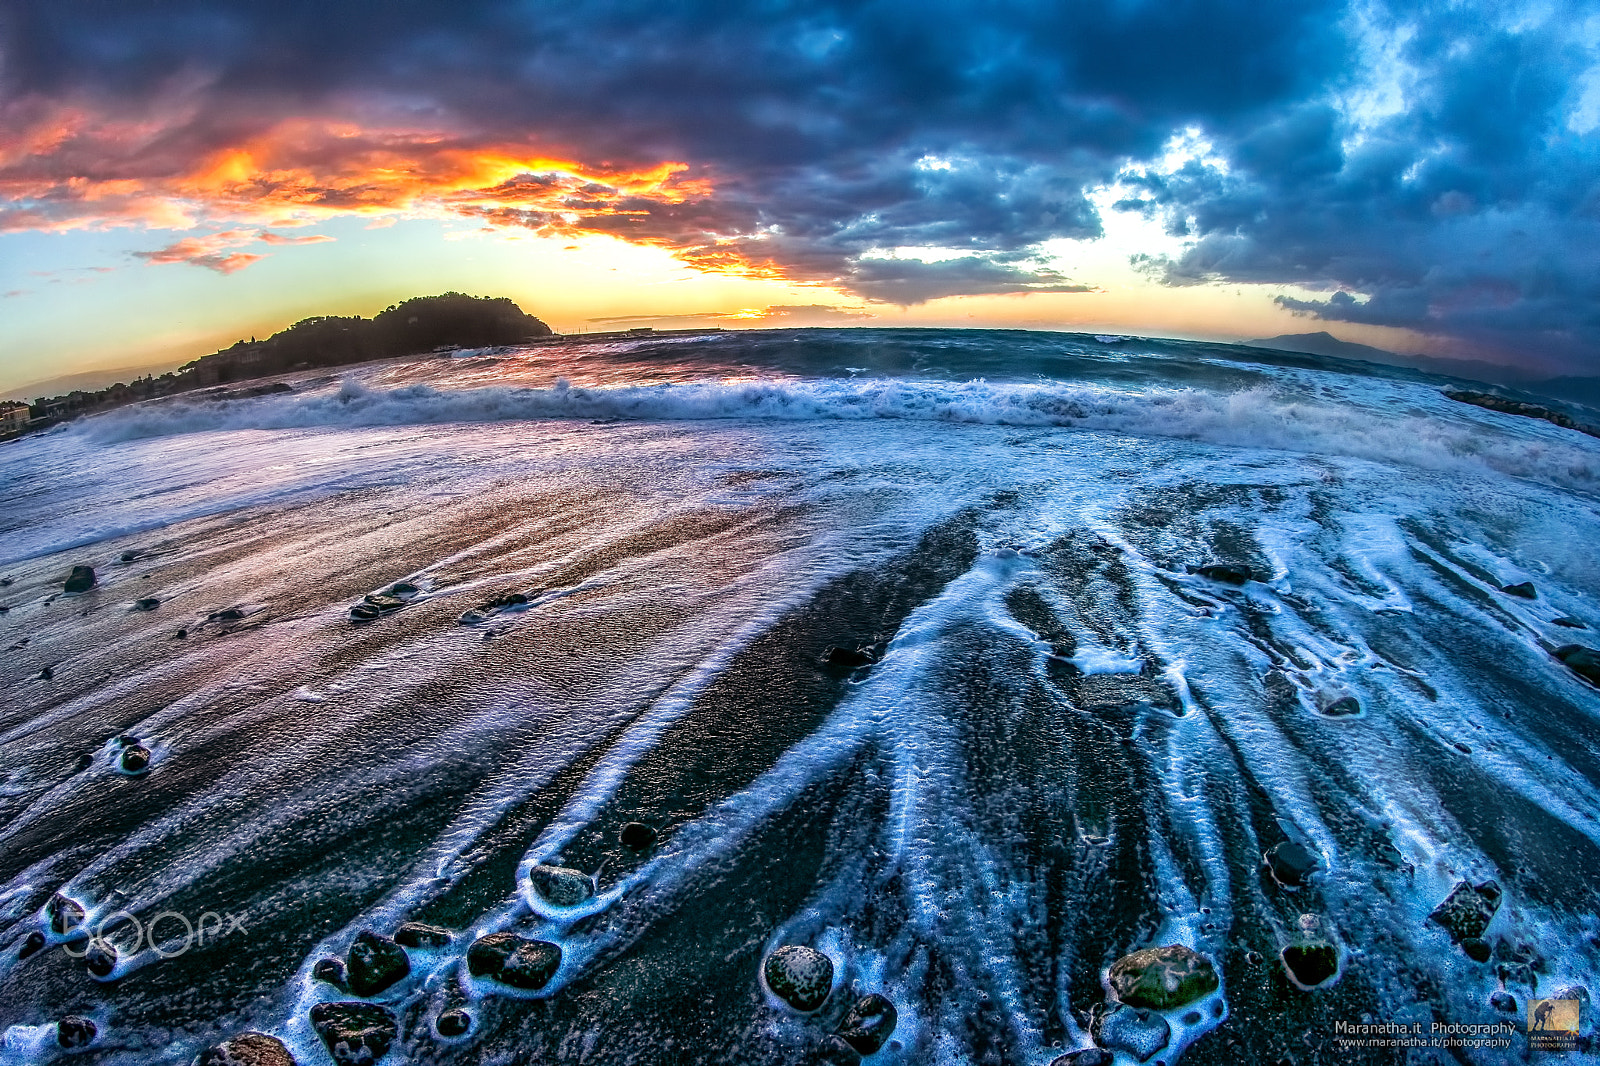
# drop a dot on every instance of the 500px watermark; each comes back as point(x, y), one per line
point(128, 935)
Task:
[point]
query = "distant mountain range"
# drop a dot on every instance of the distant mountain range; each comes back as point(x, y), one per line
point(88, 380)
point(1584, 390)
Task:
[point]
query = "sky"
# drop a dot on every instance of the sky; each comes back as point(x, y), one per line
point(1423, 177)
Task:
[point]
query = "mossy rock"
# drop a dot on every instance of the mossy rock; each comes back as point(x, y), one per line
point(1162, 978)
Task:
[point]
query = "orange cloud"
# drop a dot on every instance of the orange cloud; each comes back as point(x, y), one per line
point(268, 237)
point(209, 251)
point(64, 168)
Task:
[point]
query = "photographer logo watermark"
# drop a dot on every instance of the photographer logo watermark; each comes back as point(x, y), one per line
point(1553, 1024)
point(168, 933)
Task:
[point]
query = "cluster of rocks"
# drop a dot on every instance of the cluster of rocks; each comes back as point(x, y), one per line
point(802, 978)
point(1491, 402)
point(359, 1033)
point(376, 604)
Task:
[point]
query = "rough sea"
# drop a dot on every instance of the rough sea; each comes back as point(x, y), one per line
point(899, 646)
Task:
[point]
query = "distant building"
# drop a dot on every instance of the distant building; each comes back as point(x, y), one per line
point(14, 417)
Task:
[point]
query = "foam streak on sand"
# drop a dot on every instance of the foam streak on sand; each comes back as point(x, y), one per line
point(920, 674)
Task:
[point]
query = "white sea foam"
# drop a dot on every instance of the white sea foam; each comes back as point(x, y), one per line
point(1445, 438)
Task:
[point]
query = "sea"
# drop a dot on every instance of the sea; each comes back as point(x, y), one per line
point(969, 660)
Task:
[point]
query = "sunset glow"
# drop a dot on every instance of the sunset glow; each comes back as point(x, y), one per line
point(1206, 215)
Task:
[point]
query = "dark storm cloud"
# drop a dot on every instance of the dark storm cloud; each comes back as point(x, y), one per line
point(1473, 212)
point(830, 134)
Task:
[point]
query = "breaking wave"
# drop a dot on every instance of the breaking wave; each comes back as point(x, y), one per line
point(1270, 416)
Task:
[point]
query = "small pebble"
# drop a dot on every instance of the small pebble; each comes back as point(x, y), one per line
point(453, 1022)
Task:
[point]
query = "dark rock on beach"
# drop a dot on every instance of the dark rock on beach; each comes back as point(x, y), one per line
point(227, 614)
point(845, 660)
point(1568, 622)
point(835, 1052)
point(1467, 910)
point(1227, 573)
point(73, 1031)
point(1476, 948)
point(374, 964)
point(247, 1049)
point(47, 674)
point(1585, 662)
point(487, 609)
point(135, 759)
point(355, 1034)
point(1163, 977)
point(1343, 707)
point(1311, 964)
point(1504, 1002)
point(1523, 590)
point(800, 976)
point(82, 580)
point(560, 886)
point(101, 959)
point(453, 1022)
point(1290, 863)
point(868, 1023)
point(1141, 1033)
point(637, 836)
point(149, 603)
point(331, 971)
point(419, 935)
point(65, 914)
point(32, 945)
point(1490, 402)
point(514, 960)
